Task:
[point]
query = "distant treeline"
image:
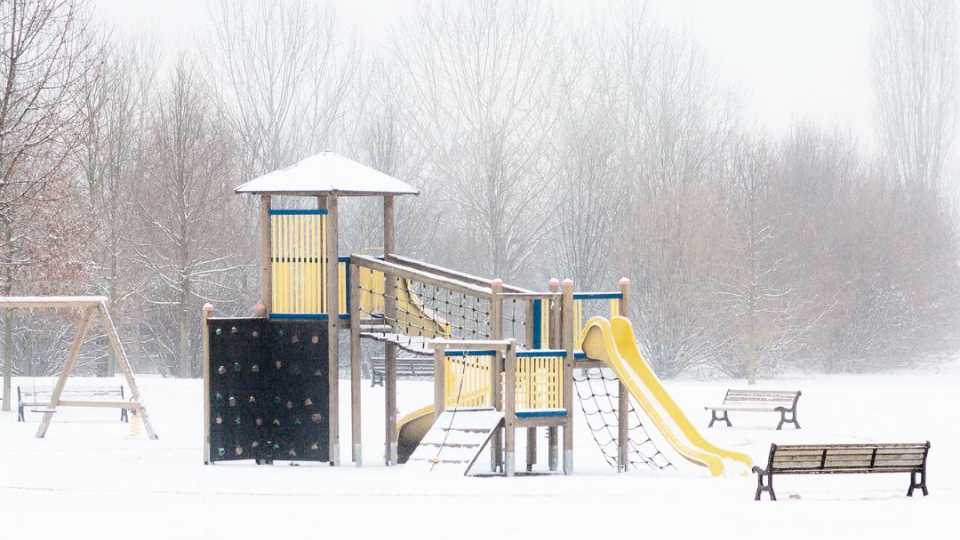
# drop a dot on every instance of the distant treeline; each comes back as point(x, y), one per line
point(543, 147)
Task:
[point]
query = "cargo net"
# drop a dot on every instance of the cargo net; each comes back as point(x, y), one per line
point(599, 390)
point(423, 312)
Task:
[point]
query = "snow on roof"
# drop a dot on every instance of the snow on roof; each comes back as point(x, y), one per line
point(328, 172)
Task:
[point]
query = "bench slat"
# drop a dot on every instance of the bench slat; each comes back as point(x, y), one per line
point(813, 459)
point(743, 408)
point(881, 446)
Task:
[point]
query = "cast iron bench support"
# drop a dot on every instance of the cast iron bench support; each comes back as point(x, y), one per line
point(783, 402)
point(845, 459)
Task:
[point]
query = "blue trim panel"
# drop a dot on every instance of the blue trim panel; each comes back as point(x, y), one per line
point(346, 259)
point(598, 296)
point(461, 352)
point(580, 355)
point(298, 212)
point(310, 316)
point(537, 314)
point(542, 353)
point(541, 414)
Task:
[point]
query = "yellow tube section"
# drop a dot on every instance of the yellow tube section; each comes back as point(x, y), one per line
point(614, 342)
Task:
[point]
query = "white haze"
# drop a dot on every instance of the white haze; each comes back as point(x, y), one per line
point(788, 61)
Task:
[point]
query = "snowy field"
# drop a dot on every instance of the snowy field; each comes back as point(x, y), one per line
point(92, 478)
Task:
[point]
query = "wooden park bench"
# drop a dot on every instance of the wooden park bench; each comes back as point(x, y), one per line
point(845, 459)
point(407, 366)
point(783, 402)
point(41, 398)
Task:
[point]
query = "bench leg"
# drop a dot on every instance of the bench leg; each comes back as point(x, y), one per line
point(922, 484)
point(20, 415)
point(714, 417)
point(791, 420)
point(761, 487)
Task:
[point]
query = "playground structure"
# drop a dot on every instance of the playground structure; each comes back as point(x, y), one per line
point(89, 306)
point(505, 357)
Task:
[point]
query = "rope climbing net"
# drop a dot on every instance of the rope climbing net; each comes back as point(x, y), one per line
point(420, 311)
point(598, 391)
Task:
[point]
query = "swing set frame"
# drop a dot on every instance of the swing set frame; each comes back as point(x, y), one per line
point(89, 306)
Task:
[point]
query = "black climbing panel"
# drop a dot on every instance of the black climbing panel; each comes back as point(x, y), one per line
point(268, 390)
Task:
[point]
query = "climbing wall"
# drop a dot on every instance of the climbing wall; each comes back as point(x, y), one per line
point(268, 390)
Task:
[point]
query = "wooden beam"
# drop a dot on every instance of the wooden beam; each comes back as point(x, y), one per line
point(123, 364)
point(266, 253)
point(496, 333)
point(129, 405)
point(65, 373)
point(623, 401)
point(510, 409)
point(552, 310)
point(530, 330)
point(439, 379)
point(205, 314)
point(420, 275)
point(454, 274)
point(569, 331)
point(356, 359)
point(333, 342)
point(390, 349)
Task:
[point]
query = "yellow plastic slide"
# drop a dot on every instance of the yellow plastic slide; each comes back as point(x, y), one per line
point(411, 429)
point(613, 342)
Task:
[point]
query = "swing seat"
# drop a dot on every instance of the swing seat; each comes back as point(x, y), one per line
point(43, 411)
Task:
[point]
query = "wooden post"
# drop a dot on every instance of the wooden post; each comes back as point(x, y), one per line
point(266, 253)
point(623, 401)
point(67, 368)
point(528, 343)
point(568, 344)
point(509, 406)
point(333, 316)
point(439, 379)
point(496, 332)
point(554, 342)
point(205, 332)
point(356, 358)
point(390, 349)
point(123, 363)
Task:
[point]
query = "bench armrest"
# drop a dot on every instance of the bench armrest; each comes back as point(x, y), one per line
point(758, 470)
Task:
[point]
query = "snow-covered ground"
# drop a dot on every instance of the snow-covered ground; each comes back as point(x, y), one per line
point(91, 478)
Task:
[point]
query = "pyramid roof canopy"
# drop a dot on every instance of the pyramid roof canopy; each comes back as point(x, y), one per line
point(327, 173)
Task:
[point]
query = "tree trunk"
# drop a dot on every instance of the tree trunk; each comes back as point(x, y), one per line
point(7, 355)
point(7, 319)
point(184, 329)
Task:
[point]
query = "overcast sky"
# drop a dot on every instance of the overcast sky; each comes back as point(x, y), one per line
point(788, 60)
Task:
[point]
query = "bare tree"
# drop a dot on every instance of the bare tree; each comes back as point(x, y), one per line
point(484, 87)
point(111, 156)
point(381, 136)
point(43, 54)
point(285, 73)
point(915, 72)
point(189, 217)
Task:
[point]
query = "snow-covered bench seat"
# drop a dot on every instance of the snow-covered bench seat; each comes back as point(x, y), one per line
point(407, 366)
point(781, 401)
point(845, 459)
point(40, 397)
